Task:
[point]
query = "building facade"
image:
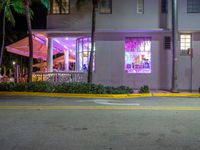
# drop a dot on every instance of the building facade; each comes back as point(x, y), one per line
point(132, 41)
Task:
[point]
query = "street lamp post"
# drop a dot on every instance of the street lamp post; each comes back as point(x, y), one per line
point(175, 45)
point(14, 70)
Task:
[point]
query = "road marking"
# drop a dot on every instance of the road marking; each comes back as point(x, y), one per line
point(100, 108)
point(114, 102)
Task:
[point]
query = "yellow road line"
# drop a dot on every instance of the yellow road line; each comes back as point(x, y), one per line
point(108, 96)
point(168, 108)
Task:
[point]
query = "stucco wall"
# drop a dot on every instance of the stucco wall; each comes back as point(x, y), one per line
point(186, 21)
point(185, 67)
point(110, 64)
point(124, 17)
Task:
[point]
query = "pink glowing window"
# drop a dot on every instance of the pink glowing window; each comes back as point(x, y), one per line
point(83, 54)
point(138, 55)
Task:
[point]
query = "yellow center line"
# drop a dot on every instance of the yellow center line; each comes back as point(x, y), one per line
point(165, 108)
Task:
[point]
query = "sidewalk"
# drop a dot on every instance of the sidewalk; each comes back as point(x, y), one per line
point(112, 96)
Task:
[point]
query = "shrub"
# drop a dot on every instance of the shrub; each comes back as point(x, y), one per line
point(40, 87)
point(87, 88)
point(80, 88)
point(19, 87)
point(125, 89)
point(7, 86)
point(144, 89)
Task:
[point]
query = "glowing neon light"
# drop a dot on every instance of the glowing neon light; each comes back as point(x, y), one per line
point(138, 55)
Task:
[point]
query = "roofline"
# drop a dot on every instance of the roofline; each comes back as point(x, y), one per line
point(49, 31)
point(158, 30)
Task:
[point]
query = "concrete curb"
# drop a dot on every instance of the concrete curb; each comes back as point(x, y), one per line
point(108, 96)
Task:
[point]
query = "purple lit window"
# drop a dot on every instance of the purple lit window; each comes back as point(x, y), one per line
point(83, 54)
point(138, 55)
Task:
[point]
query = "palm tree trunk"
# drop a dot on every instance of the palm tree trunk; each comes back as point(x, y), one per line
point(28, 20)
point(90, 67)
point(3, 38)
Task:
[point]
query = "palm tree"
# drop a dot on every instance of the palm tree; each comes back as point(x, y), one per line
point(6, 6)
point(28, 13)
point(21, 7)
point(28, 21)
point(94, 6)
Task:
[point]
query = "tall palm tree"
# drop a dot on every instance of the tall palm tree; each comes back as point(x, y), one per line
point(28, 13)
point(28, 21)
point(94, 4)
point(6, 6)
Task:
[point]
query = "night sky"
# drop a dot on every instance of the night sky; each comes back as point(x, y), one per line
point(38, 21)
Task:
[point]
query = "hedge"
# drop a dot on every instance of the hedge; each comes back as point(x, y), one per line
point(81, 88)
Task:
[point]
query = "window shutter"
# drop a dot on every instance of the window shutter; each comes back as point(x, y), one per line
point(167, 42)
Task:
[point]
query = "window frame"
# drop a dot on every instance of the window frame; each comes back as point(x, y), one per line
point(80, 53)
point(148, 52)
point(62, 13)
point(100, 7)
point(164, 6)
point(190, 8)
point(139, 8)
point(184, 52)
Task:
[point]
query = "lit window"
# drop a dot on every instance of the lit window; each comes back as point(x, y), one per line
point(185, 43)
point(83, 54)
point(138, 55)
point(140, 6)
point(59, 7)
point(105, 6)
point(193, 6)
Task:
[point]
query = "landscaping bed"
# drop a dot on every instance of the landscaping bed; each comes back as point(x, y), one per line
point(81, 88)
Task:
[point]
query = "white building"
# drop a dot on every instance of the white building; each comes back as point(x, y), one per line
point(132, 42)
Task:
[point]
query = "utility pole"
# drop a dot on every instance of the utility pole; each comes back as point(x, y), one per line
point(175, 46)
point(190, 52)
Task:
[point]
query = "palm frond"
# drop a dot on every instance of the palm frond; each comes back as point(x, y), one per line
point(45, 3)
point(18, 7)
point(31, 13)
point(1, 8)
point(9, 16)
point(2, 5)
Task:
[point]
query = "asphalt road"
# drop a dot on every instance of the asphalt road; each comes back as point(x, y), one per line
point(41, 123)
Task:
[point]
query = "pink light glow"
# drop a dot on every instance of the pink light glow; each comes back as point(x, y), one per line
point(138, 55)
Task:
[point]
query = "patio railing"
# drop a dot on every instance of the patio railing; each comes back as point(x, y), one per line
point(60, 77)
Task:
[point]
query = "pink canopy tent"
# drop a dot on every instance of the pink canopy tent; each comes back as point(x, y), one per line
point(21, 47)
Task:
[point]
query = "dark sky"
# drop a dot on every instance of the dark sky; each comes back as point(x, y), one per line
point(38, 21)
